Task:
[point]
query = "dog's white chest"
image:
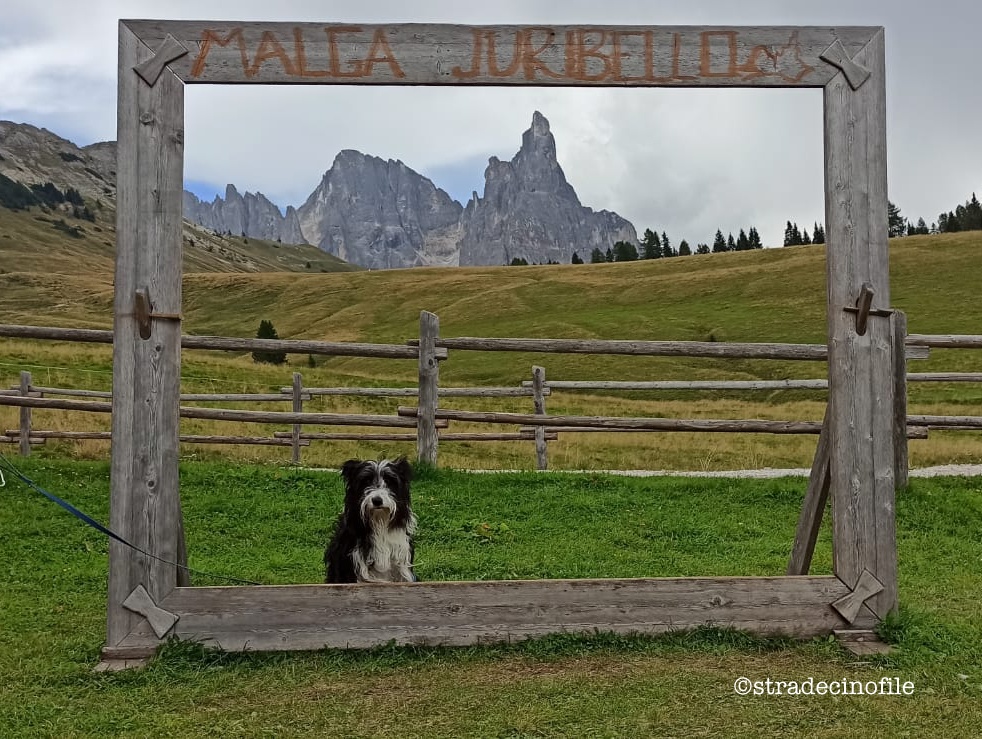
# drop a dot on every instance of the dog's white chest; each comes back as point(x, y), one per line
point(390, 556)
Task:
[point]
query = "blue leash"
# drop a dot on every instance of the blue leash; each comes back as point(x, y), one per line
point(102, 529)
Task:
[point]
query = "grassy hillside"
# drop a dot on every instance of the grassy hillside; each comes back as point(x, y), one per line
point(769, 295)
point(52, 242)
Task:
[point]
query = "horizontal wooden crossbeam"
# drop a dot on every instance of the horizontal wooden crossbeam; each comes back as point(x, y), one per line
point(460, 613)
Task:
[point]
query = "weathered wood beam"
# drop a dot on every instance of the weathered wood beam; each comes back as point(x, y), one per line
point(459, 613)
point(861, 364)
point(619, 422)
point(595, 55)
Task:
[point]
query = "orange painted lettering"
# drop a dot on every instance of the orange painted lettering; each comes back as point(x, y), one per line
point(477, 49)
point(210, 37)
point(270, 48)
point(516, 56)
point(335, 57)
point(530, 57)
point(676, 54)
point(619, 56)
point(705, 66)
point(586, 52)
point(379, 53)
point(300, 51)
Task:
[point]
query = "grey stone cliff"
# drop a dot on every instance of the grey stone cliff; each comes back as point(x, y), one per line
point(381, 215)
point(251, 215)
point(529, 211)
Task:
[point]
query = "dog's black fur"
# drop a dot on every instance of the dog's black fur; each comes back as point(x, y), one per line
point(373, 536)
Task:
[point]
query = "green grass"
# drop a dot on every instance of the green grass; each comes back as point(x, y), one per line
point(270, 524)
point(768, 295)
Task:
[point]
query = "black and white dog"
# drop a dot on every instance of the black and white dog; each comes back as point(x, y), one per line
point(373, 537)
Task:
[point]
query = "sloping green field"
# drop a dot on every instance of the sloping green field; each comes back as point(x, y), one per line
point(768, 295)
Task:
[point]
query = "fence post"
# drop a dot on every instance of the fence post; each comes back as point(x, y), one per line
point(429, 380)
point(539, 402)
point(25, 416)
point(297, 408)
point(898, 322)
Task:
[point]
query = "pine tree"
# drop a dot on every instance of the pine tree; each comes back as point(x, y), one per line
point(895, 221)
point(684, 250)
point(666, 246)
point(754, 238)
point(702, 248)
point(921, 228)
point(651, 245)
point(795, 235)
point(730, 243)
point(788, 235)
point(625, 251)
point(970, 215)
point(609, 256)
point(267, 331)
point(576, 259)
point(804, 236)
point(719, 243)
point(742, 242)
point(818, 234)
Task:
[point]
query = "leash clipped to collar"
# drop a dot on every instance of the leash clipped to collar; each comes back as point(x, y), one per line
point(82, 516)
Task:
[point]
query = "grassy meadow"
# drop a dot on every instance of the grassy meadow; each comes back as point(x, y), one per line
point(248, 518)
point(270, 525)
point(769, 295)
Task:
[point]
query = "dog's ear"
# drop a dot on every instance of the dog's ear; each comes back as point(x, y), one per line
point(403, 469)
point(350, 469)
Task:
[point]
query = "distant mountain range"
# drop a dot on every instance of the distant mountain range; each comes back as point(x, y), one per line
point(368, 211)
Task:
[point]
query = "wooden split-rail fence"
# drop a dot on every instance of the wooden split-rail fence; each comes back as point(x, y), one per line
point(427, 423)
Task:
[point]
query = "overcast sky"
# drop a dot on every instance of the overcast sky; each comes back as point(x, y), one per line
point(682, 161)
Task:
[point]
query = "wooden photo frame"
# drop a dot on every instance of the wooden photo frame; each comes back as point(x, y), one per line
point(149, 600)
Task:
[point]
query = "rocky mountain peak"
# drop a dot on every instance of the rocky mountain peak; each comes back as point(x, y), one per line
point(529, 210)
point(380, 214)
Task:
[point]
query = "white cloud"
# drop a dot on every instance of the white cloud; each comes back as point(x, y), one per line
point(684, 161)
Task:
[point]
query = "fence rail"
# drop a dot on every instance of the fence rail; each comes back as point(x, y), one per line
point(431, 423)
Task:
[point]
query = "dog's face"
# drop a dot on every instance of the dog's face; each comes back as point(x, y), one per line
point(378, 491)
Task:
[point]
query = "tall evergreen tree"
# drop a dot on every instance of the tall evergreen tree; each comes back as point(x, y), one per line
point(268, 331)
point(818, 234)
point(609, 256)
point(921, 227)
point(969, 215)
point(895, 221)
point(576, 259)
point(597, 256)
point(684, 250)
point(666, 246)
point(742, 242)
point(702, 248)
point(650, 245)
point(730, 243)
point(804, 236)
point(625, 251)
point(719, 243)
point(753, 237)
point(788, 235)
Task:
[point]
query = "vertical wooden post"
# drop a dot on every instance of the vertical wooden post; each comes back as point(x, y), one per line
point(861, 375)
point(429, 381)
point(539, 401)
point(145, 504)
point(901, 471)
point(25, 416)
point(813, 506)
point(297, 408)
